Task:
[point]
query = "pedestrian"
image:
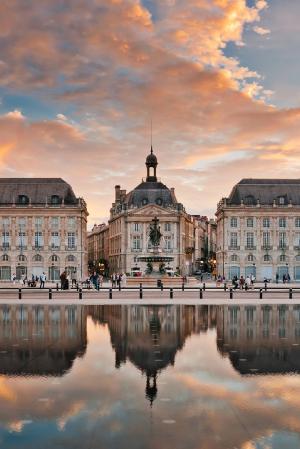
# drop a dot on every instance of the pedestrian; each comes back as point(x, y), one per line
point(14, 278)
point(124, 279)
point(288, 278)
point(284, 278)
point(42, 280)
point(95, 280)
point(247, 283)
point(277, 278)
point(100, 280)
point(63, 278)
point(113, 280)
point(235, 282)
point(242, 282)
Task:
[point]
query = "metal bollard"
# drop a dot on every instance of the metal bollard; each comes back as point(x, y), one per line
point(204, 286)
point(231, 294)
point(290, 293)
point(201, 293)
point(57, 287)
point(225, 286)
point(141, 292)
point(182, 286)
point(20, 293)
point(260, 293)
point(50, 293)
point(171, 293)
point(266, 286)
point(162, 287)
point(120, 286)
point(80, 293)
point(77, 286)
point(110, 293)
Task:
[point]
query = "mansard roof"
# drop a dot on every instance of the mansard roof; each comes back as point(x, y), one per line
point(36, 191)
point(151, 193)
point(265, 191)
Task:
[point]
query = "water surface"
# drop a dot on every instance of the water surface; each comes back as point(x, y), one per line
point(173, 377)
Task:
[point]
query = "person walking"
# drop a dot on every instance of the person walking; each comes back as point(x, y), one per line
point(277, 278)
point(95, 280)
point(42, 280)
point(247, 283)
point(242, 282)
point(63, 278)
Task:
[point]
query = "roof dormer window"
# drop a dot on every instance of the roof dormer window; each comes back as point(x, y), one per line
point(281, 200)
point(55, 199)
point(23, 199)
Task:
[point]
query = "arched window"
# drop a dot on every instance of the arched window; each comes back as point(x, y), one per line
point(55, 199)
point(282, 257)
point(5, 257)
point(37, 258)
point(70, 258)
point(22, 258)
point(54, 258)
point(267, 258)
point(250, 258)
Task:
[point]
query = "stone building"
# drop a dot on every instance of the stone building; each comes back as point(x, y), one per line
point(98, 249)
point(43, 229)
point(258, 229)
point(131, 216)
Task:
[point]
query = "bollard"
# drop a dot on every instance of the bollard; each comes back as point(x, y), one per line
point(231, 294)
point(77, 286)
point(266, 286)
point(204, 286)
point(57, 287)
point(50, 293)
point(225, 286)
point(80, 293)
point(260, 293)
point(119, 286)
point(141, 292)
point(110, 293)
point(162, 287)
point(290, 293)
point(182, 286)
point(20, 293)
point(171, 293)
point(201, 293)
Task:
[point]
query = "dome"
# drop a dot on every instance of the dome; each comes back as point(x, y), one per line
point(151, 159)
point(151, 193)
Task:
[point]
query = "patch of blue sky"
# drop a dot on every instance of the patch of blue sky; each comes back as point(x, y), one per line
point(152, 8)
point(278, 440)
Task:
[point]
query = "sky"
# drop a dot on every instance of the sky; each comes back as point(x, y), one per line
point(81, 80)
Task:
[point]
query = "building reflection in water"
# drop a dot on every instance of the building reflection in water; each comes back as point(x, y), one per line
point(45, 340)
point(41, 340)
point(260, 340)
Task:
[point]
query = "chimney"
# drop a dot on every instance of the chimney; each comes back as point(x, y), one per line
point(117, 190)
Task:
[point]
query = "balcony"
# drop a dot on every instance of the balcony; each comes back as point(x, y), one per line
point(38, 248)
point(71, 248)
point(250, 248)
point(55, 247)
point(282, 247)
point(5, 247)
point(21, 247)
point(136, 250)
point(233, 248)
point(266, 247)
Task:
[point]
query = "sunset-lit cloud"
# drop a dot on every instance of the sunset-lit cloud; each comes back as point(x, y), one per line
point(81, 82)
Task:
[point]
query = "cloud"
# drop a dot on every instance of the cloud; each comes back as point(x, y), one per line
point(261, 31)
point(16, 114)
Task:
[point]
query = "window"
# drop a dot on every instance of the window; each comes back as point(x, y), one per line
point(233, 239)
point(266, 222)
point(266, 239)
point(249, 200)
point(22, 258)
point(250, 222)
point(54, 258)
point(5, 258)
point(55, 199)
point(22, 239)
point(250, 240)
point(38, 239)
point(281, 200)
point(282, 257)
point(297, 222)
point(168, 227)
point(297, 239)
point(250, 258)
point(38, 221)
point(168, 243)
point(282, 239)
point(54, 222)
point(136, 242)
point(136, 227)
point(71, 239)
point(282, 222)
point(71, 221)
point(144, 201)
point(267, 258)
point(159, 201)
point(37, 258)
point(233, 222)
point(55, 242)
point(71, 258)
point(234, 258)
point(5, 239)
point(5, 221)
point(23, 199)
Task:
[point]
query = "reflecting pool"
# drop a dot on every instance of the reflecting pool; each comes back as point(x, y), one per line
point(138, 377)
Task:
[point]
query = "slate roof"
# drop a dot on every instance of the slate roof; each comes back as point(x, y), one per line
point(265, 191)
point(37, 190)
point(150, 193)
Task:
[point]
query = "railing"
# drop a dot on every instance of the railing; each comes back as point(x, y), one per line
point(267, 247)
point(233, 248)
point(250, 248)
point(71, 248)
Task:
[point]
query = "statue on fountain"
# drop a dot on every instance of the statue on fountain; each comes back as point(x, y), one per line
point(155, 235)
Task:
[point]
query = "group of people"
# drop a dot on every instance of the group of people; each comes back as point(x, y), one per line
point(66, 280)
point(243, 283)
point(118, 279)
point(96, 280)
point(285, 278)
point(31, 282)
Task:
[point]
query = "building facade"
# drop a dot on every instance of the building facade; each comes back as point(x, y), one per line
point(43, 229)
point(258, 230)
point(131, 217)
point(98, 247)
